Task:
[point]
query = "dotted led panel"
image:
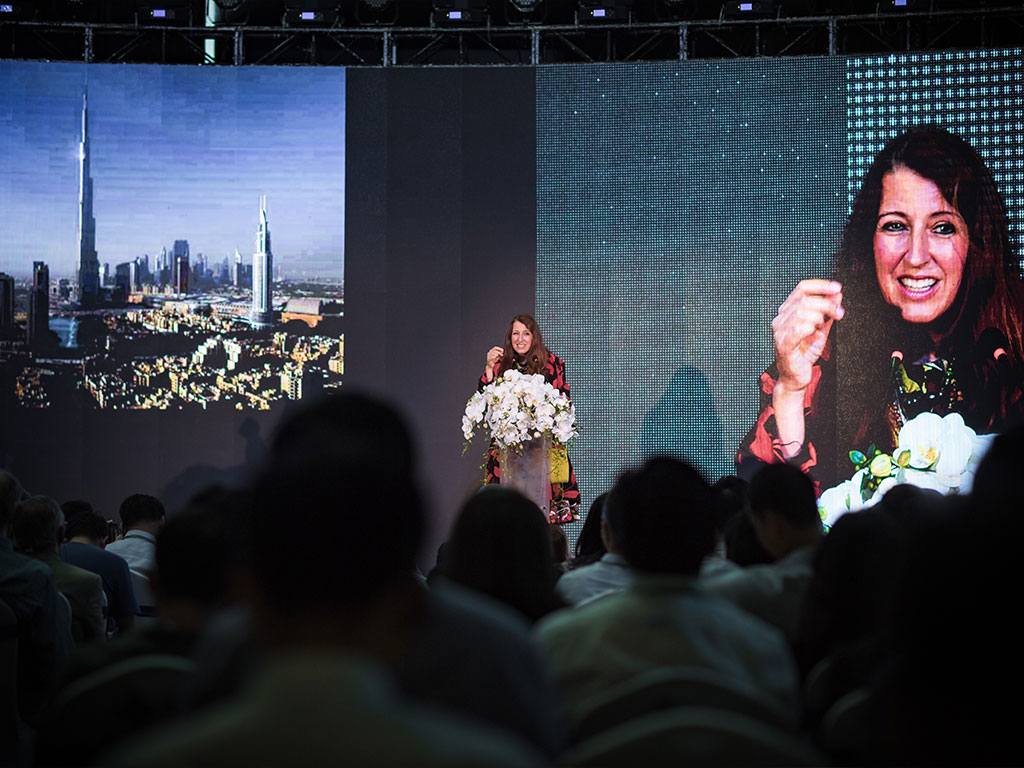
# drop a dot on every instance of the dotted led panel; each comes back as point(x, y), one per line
point(977, 94)
point(677, 206)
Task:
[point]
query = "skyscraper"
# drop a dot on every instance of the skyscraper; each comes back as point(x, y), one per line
point(181, 267)
point(39, 304)
point(262, 272)
point(88, 265)
point(6, 306)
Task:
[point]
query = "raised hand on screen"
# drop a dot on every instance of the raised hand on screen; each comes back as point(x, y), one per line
point(801, 329)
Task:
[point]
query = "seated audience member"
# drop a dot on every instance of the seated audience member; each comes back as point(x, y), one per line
point(663, 516)
point(559, 548)
point(848, 603)
point(190, 583)
point(142, 517)
point(500, 547)
point(784, 513)
point(945, 695)
point(334, 599)
point(38, 530)
point(589, 546)
point(611, 573)
point(86, 537)
point(29, 589)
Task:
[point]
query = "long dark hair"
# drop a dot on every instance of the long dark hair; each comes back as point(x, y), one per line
point(537, 356)
point(990, 294)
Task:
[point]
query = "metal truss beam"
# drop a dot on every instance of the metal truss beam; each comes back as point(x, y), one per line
point(524, 44)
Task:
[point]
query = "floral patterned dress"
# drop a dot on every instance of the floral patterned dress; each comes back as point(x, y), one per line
point(565, 497)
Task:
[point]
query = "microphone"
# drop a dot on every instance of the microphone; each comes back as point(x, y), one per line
point(894, 385)
point(992, 346)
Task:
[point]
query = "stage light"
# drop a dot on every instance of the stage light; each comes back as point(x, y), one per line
point(376, 12)
point(610, 10)
point(23, 11)
point(525, 11)
point(310, 13)
point(167, 12)
point(456, 12)
point(750, 8)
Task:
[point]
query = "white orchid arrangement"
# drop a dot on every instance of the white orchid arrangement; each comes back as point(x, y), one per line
point(937, 452)
point(517, 407)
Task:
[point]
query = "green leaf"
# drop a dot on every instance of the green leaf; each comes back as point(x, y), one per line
point(859, 459)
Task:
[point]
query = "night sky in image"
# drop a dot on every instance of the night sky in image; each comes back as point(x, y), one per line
point(178, 153)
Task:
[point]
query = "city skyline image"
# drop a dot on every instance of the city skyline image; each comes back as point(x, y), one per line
point(174, 153)
point(136, 268)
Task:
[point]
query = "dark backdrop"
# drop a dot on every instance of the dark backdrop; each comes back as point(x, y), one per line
point(440, 248)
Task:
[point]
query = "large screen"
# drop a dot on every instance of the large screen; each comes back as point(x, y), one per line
point(171, 268)
point(680, 203)
point(176, 235)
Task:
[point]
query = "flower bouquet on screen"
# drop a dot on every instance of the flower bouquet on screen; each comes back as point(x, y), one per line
point(936, 452)
point(528, 420)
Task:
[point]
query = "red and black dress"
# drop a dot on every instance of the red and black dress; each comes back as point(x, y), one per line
point(565, 497)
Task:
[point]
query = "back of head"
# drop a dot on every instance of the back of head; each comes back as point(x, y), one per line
point(336, 515)
point(589, 544)
point(10, 495)
point(501, 546)
point(663, 517)
point(37, 523)
point(995, 491)
point(193, 558)
point(141, 509)
point(73, 508)
point(89, 525)
point(788, 492)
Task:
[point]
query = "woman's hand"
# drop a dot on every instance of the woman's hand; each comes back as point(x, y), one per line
point(800, 331)
point(494, 354)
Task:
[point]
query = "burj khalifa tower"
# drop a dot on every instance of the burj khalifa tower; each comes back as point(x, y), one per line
point(89, 263)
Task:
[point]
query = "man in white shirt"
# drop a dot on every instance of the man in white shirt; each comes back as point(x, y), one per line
point(664, 513)
point(142, 517)
point(609, 574)
point(784, 512)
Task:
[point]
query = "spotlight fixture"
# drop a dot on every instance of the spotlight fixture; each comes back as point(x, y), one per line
point(456, 12)
point(609, 10)
point(521, 11)
point(738, 9)
point(311, 13)
point(166, 12)
point(23, 11)
point(376, 12)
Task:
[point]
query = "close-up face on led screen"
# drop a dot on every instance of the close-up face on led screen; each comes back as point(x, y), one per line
point(173, 237)
point(680, 204)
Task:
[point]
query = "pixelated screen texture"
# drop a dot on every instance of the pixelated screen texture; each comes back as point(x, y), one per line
point(677, 206)
point(977, 94)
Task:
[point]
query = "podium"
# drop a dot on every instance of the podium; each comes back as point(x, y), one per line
point(528, 470)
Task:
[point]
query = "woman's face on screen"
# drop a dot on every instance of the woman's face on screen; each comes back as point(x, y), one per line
point(522, 339)
point(920, 246)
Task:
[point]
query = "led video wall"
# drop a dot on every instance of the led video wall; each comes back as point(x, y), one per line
point(678, 204)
